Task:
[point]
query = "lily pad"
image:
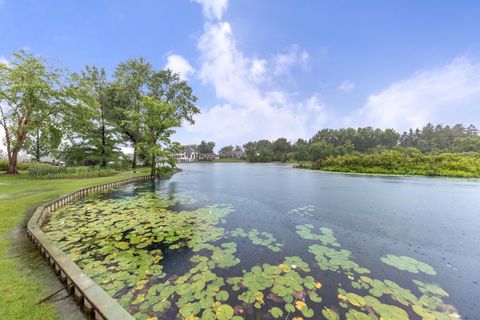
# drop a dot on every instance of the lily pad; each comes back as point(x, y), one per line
point(408, 264)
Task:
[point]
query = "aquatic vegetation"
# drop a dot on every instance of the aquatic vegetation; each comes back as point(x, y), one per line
point(335, 260)
point(282, 285)
point(408, 264)
point(305, 211)
point(326, 237)
point(258, 238)
point(162, 263)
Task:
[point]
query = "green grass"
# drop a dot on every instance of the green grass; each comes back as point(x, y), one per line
point(229, 160)
point(20, 292)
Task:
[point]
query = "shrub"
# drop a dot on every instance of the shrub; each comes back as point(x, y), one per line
point(405, 162)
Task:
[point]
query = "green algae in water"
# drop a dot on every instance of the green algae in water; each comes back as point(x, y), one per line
point(162, 263)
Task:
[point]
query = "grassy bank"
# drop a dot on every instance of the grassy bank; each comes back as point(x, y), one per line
point(402, 163)
point(20, 292)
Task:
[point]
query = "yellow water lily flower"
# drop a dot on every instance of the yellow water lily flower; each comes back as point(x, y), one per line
point(318, 285)
point(342, 297)
point(300, 305)
point(284, 267)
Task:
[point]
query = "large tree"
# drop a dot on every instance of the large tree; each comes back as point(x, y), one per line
point(94, 136)
point(132, 77)
point(167, 86)
point(158, 120)
point(30, 93)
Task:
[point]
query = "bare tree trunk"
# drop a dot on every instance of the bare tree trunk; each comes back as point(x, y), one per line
point(12, 164)
point(37, 146)
point(104, 158)
point(134, 160)
point(153, 166)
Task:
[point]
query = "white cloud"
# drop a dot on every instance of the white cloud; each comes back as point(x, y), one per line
point(212, 9)
point(447, 94)
point(179, 64)
point(250, 111)
point(346, 86)
point(258, 69)
point(285, 61)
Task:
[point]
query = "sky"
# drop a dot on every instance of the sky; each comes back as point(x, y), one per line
point(275, 68)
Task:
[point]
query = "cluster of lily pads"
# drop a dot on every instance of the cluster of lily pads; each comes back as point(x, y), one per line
point(161, 263)
point(258, 238)
point(397, 302)
point(306, 211)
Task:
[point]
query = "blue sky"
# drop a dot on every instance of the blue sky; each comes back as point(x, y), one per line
point(264, 69)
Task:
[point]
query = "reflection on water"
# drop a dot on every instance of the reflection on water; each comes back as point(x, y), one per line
point(265, 241)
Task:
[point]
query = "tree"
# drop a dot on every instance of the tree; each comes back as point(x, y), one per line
point(132, 77)
point(158, 119)
point(30, 92)
point(206, 147)
point(259, 151)
point(42, 141)
point(94, 135)
point(467, 144)
point(281, 147)
point(320, 150)
point(167, 86)
point(301, 150)
point(226, 149)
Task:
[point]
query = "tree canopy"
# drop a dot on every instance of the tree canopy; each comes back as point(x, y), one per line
point(85, 117)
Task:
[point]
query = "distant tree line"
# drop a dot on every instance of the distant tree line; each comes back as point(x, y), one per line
point(341, 142)
point(84, 118)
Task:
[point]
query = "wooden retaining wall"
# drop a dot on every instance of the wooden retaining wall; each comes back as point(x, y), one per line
point(95, 302)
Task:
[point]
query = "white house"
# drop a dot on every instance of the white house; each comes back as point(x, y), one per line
point(188, 154)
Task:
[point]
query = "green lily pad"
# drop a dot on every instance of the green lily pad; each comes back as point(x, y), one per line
point(408, 264)
point(276, 312)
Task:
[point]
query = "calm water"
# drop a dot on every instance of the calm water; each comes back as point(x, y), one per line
point(433, 220)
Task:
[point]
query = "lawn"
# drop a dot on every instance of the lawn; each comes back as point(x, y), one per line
point(20, 290)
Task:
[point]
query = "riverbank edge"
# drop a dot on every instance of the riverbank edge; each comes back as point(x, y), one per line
point(93, 299)
point(385, 174)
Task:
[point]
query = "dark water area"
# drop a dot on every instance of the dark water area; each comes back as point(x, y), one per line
point(433, 220)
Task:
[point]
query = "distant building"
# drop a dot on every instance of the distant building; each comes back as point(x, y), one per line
point(207, 156)
point(188, 154)
point(236, 153)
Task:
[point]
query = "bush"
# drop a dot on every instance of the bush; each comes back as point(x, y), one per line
point(25, 165)
point(67, 172)
point(405, 162)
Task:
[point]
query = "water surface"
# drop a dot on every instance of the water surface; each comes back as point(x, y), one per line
point(435, 221)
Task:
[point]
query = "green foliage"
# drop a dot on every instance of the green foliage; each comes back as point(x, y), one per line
point(206, 147)
point(260, 151)
point(441, 138)
point(361, 139)
point(48, 171)
point(369, 150)
point(404, 162)
point(92, 134)
point(31, 94)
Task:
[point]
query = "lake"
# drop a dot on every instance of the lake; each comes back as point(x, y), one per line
point(264, 241)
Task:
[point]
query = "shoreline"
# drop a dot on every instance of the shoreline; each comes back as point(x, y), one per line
point(388, 174)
